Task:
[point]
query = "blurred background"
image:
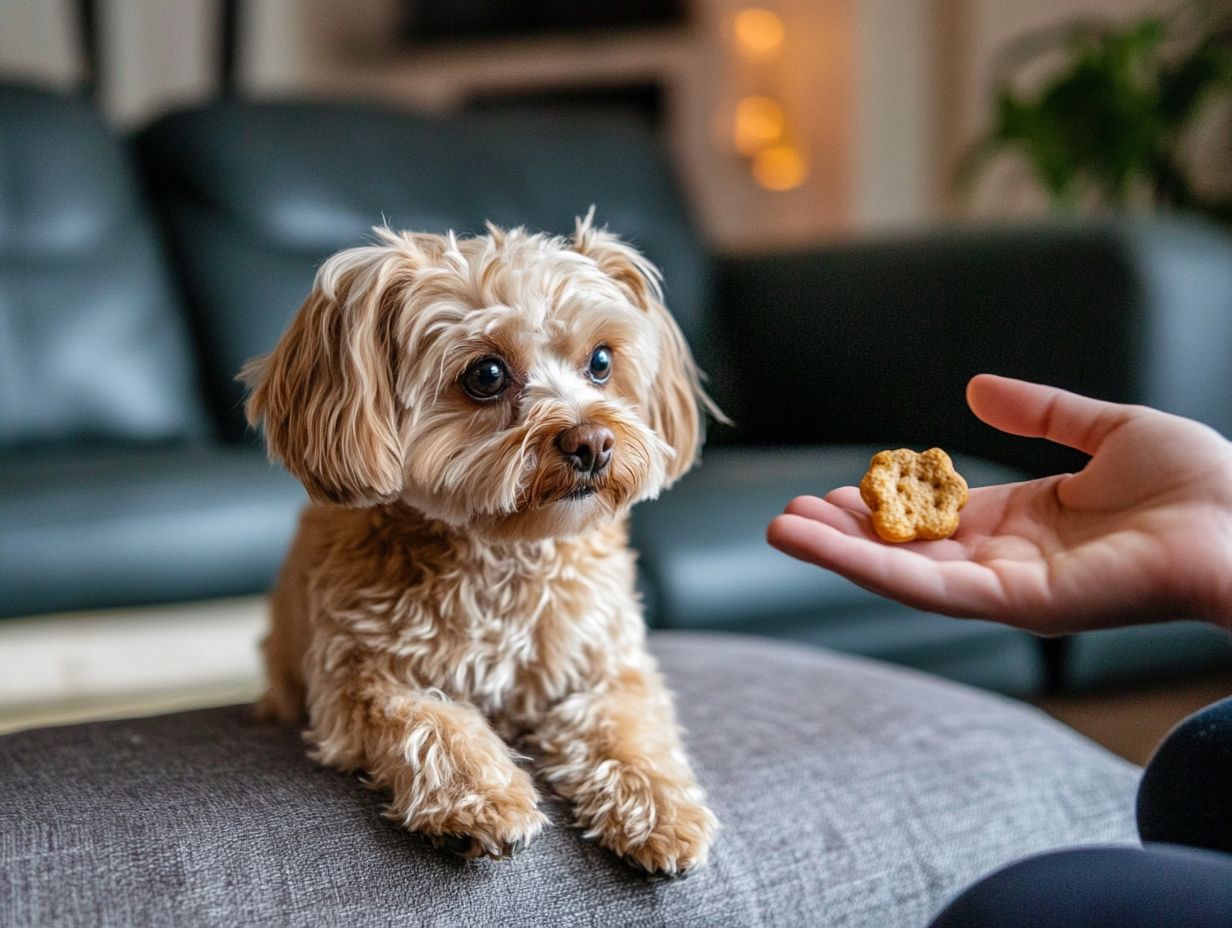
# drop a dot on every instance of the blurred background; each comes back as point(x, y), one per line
point(788, 122)
point(788, 127)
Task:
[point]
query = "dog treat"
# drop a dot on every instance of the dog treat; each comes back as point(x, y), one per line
point(913, 495)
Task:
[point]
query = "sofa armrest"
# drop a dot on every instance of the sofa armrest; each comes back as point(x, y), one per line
point(875, 341)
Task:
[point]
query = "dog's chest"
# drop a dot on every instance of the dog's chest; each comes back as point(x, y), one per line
point(512, 629)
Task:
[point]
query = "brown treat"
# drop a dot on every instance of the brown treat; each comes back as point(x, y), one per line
point(913, 495)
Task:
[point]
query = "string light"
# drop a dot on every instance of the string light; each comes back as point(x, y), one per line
point(759, 123)
point(760, 130)
point(759, 33)
point(780, 167)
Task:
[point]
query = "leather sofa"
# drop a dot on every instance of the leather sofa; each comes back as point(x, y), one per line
point(138, 274)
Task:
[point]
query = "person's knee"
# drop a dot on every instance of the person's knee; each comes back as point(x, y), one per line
point(1185, 796)
point(1101, 887)
point(1037, 892)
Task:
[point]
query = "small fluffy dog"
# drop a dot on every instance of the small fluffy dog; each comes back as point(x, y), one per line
point(472, 419)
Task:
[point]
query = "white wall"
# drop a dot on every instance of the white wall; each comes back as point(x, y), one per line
point(36, 42)
point(896, 115)
point(158, 55)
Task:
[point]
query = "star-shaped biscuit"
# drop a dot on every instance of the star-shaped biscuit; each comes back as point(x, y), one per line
point(913, 495)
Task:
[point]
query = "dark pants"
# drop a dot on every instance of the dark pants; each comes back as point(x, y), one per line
point(1182, 875)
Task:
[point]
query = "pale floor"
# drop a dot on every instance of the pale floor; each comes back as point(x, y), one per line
point(68, 668)
point(1132, 722)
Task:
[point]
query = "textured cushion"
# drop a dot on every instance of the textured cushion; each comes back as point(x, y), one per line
point(851, 794)
point(88, 529)
point(92, 340)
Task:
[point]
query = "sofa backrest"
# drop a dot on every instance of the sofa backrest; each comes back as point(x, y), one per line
point(256, 195)
point(93, 343)
point(874, 341)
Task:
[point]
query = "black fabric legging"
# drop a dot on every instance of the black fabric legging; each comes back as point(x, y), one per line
point(1182, 876)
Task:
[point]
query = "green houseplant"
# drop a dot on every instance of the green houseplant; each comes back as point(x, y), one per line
point(1109, 124)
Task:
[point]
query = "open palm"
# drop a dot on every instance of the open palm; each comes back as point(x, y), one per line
point(1142, 533)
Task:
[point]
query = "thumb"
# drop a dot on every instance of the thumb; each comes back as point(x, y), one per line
point(1038, 411)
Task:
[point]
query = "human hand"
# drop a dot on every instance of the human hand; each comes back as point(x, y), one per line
point(1142, 533)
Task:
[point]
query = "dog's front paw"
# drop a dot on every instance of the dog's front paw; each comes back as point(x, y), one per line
point(665, 834)
point(494, 824)
point(678, 842)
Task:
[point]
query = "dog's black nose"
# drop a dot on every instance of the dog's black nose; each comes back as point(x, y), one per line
point(588, 447)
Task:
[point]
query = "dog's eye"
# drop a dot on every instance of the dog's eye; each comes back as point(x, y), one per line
point(486, 379)
point(600, 367)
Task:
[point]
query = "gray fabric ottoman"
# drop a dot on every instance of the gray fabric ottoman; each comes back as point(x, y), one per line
point(851, 794)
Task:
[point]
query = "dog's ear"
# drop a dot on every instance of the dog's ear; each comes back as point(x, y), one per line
point(325, 395)
point(673, 408)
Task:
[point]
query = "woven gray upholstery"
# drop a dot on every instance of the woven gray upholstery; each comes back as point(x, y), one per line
point(851, 794)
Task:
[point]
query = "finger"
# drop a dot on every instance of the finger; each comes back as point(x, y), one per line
point(845, 510)
point(1039, 411)
point(905, 573)
point(849, 518)
point(843, 497)
point(826, 545)
point(847, 498)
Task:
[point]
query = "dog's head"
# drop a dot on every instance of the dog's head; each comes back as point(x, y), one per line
point(512, 384)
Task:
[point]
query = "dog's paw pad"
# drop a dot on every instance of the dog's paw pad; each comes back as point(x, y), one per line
point(660, 873)
point(471, 848)
point(513, 849)
point(462, 845)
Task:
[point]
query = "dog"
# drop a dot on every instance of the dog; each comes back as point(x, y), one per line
point(472, 418)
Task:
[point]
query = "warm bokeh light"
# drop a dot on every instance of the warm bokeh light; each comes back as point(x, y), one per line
point(759, 123)
point(780, 167)
point(758, 32)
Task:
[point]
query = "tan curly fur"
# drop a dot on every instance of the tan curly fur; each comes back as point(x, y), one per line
point(460, 591)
